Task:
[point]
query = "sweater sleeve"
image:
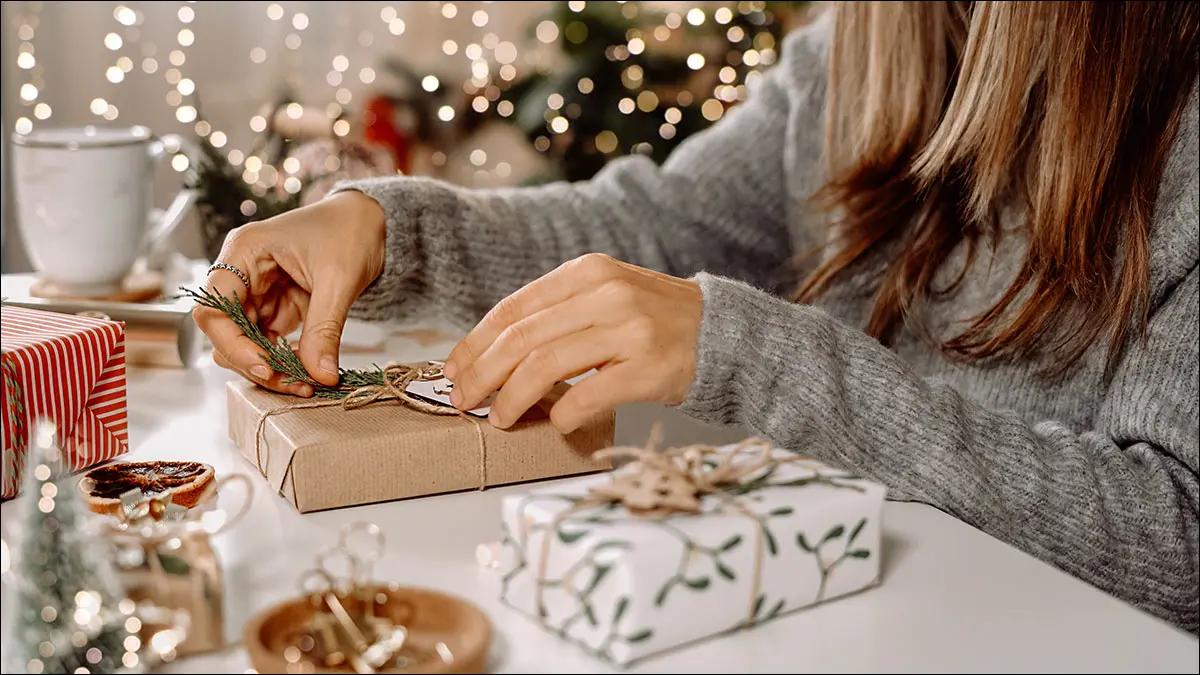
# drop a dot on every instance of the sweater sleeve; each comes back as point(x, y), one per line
point(1115, 505)
point(718, 204)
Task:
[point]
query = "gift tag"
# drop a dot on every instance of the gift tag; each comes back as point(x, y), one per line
point(438, 391)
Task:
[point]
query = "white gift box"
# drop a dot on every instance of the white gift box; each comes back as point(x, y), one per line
point(626, 586)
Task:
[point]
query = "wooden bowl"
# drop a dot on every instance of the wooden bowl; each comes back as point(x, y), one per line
point(429, 616)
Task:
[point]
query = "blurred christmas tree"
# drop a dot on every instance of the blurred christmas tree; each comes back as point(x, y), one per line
point(636, 80)
point(71, 614)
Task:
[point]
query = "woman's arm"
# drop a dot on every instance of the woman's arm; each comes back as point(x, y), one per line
point(719, 203)
point(1116, 505)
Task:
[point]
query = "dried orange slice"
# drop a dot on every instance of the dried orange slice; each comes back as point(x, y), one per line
point(187, 483)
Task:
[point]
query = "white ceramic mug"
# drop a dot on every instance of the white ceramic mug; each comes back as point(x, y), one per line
point(84, 202)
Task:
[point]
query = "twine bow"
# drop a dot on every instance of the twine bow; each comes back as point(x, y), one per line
point(396, 378)
point(659, 484)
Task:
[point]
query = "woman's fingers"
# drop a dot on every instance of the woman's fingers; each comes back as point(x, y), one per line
point(226, 336)
point(547, 365)
point(275, 382)
point(572, 278)
point(515, 344)
point(614, 385)
point(288, 314)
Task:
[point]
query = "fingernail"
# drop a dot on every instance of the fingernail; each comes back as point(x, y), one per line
point(450, 370)
point(261, 372)
point(300, 389)
point(329, 365)
point(456, 398)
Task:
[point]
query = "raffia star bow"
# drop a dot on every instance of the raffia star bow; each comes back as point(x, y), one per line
point(660, 483)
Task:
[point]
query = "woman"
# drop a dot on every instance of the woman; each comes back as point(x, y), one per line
point(993, 310)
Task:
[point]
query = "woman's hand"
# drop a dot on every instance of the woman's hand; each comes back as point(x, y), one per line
point(305, 267)
point(638, 328)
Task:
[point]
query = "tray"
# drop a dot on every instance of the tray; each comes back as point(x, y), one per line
point(271, 636)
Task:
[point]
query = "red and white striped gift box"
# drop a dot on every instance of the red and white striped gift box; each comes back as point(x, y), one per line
point(71, 370)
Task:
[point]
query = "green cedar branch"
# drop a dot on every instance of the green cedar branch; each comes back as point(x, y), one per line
point(279, 355)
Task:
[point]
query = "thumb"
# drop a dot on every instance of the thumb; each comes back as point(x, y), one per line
point(321, 337)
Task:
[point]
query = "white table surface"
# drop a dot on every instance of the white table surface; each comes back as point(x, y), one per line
point(952, 599)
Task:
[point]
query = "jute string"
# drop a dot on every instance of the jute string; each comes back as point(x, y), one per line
point(658, 485)
point(396, 378)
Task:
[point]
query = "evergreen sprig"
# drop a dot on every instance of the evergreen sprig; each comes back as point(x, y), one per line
point(279, 355)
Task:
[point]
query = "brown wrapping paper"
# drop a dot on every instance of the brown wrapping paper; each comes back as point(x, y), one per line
point(326, 458)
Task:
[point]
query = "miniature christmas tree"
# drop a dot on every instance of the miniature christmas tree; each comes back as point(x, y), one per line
point(71, 614)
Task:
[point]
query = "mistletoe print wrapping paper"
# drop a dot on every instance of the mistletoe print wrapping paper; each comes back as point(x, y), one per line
point(625, 585)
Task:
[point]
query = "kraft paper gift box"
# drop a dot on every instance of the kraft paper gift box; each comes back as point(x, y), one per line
point(70, 370)
point(627, 584)
point(325, 458)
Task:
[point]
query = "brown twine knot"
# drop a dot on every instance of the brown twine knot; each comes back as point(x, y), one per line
point(659, 484)
point(396, 378)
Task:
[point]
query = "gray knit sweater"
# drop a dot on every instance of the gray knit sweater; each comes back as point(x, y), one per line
point(1095, 474)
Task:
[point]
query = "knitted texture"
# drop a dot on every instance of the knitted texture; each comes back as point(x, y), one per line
point(1094, 473)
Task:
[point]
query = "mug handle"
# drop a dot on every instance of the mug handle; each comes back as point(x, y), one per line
point(243, 508)
point(160, 149)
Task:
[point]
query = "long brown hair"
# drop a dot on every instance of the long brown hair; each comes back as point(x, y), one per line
point(939, 112)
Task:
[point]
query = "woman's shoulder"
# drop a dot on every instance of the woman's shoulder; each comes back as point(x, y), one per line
point(1176, 230)
point(804, 54)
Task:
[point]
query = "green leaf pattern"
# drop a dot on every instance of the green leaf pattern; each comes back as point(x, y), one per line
point(598, 541)
point(825, 568)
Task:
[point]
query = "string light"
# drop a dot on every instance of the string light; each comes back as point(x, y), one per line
point(647, 101)
point(26, 61)
point(185, 113)
point(712, 110)
point(546, 31)
point(749, 30)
